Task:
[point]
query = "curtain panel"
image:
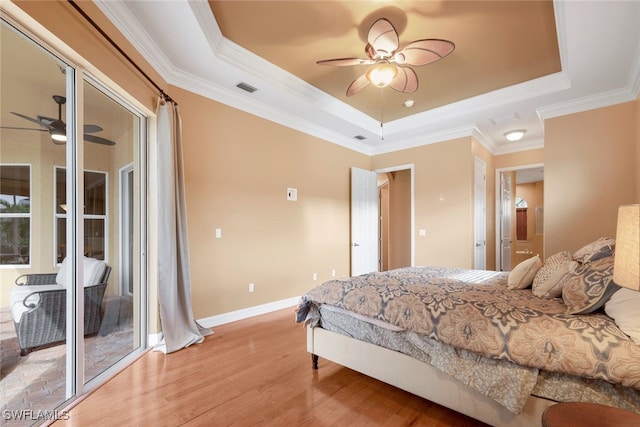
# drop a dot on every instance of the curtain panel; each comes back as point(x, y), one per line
point(179, 328)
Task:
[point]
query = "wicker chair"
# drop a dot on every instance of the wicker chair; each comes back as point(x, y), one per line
point(43, 315)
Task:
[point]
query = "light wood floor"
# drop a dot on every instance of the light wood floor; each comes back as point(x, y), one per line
point(252, 372)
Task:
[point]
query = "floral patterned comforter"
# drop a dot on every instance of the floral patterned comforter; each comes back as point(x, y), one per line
point(474, 310)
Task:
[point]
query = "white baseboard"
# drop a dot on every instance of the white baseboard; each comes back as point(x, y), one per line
point(154, 339)
point(245, 313)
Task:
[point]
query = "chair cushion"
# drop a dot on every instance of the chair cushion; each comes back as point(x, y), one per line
point(19, 293)
point(93, 271)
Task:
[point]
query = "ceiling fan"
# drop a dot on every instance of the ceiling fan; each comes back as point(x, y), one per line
point(382, 52)
point(57, 128)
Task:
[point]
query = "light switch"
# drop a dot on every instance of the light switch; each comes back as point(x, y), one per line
point(218, 233)
point(422, 232)
point(292, 194)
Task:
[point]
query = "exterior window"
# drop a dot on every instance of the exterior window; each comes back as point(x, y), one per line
point(95, 214)
point(15, 214)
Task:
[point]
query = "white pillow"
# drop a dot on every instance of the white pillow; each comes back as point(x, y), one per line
point(93, 271)
point(522, 275)
point(62, 273)
point(624, 308)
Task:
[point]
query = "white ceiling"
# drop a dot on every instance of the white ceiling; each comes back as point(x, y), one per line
point(599, 43)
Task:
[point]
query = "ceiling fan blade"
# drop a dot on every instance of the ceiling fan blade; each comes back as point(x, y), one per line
point(426, 51)
point(92, 128)
point(405, 81)
point(56, 123)
point(31, 119)
point(17, 128)
point(357, 85)
point(383, 37)
point(345, 62)
point(98, 140)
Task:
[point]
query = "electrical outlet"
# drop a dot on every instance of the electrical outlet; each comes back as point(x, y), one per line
point(333, 273)
point(251, 287)
point(218, 233)
point(315, 276)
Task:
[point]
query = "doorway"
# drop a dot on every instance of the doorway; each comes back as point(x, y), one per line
point(394, 190)
point(396, 248)
point(519, 222)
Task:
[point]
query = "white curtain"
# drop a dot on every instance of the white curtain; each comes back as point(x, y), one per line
point(179, 328)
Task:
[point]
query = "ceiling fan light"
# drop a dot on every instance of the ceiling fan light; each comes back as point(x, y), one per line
point(515, 135)
point(58, 135)
point(382, 74)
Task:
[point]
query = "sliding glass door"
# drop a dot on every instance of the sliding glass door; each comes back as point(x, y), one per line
point(111, 206)
point(72, 173)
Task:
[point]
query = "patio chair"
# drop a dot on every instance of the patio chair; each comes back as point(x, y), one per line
point(39, 302)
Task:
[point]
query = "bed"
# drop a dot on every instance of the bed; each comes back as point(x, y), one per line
point(499, 347)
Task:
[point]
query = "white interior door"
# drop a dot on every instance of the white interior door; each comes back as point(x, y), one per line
point(505, 222)
point(480, 215)
point(364, 221)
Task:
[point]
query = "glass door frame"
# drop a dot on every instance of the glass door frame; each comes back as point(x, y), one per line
point(76, 76)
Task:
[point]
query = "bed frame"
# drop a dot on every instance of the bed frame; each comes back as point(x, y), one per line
point(415, 376)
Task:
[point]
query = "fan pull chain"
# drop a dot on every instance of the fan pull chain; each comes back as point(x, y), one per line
point(381, 114)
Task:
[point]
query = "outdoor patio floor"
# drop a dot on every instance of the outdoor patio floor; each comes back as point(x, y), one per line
point(36, 382)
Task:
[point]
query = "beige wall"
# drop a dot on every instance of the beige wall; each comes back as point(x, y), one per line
point(590, 169)
point(443, 174)
point(238, 168)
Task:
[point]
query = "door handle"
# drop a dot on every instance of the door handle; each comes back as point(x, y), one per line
point(356, 244)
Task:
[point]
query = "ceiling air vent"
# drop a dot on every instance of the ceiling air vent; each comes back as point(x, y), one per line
point(360, 137)
point(246, 87)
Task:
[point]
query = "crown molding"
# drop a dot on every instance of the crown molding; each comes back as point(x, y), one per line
point(589, 102)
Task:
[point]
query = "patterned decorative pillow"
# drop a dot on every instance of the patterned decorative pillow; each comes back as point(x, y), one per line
point(553, 286)
point(589, 287)
point(522, 275)
point(601, 248)
point(551, 265)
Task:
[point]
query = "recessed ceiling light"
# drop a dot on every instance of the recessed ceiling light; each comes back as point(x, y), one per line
point(515, 135)
point(408, 103)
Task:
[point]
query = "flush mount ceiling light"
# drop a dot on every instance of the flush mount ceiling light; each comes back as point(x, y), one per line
point(515, 135)
point(408, 103)
point(389, 63)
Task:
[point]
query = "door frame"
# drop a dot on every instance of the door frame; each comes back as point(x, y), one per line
point(498, 218)
point(480, 214)
point(127, 182)
point(411, 168)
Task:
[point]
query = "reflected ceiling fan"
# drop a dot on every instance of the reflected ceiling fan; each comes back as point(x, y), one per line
point(58, 129)
point(389, 62)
